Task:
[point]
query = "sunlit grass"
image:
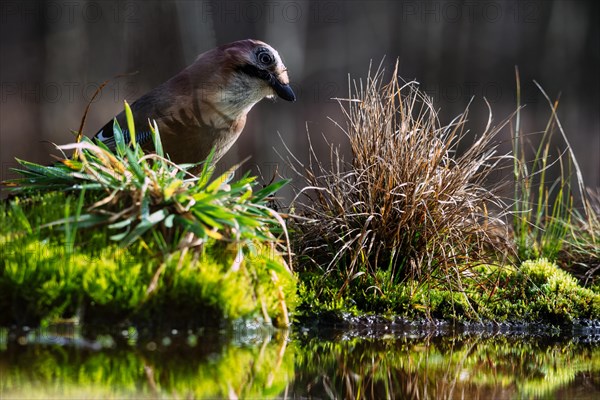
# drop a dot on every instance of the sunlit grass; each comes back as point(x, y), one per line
point(546, 222)
point(407, 225)
point(406, 202)
point(542, 209)
point(139, 193)
point(125, 233)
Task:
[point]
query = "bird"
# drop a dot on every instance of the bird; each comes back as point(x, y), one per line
point(204, 107)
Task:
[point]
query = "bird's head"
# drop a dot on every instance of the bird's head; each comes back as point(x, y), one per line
point(257, 67)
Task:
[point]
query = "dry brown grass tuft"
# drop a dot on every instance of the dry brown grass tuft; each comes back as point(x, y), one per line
point(406, 203)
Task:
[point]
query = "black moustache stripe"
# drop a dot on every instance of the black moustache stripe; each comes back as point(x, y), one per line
point(255, 72)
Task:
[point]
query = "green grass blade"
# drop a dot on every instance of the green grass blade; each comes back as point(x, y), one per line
point(134, 165)
point(143, 227)
point(270, 190)
point(119, 139)
point(17, 212)
point(158, 148)
point(130, 124)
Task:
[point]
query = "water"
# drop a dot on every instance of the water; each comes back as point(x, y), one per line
point(70, 363)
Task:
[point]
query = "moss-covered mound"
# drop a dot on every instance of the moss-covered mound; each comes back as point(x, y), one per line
point(535, 291)
point(538, 291)
point(50, 272)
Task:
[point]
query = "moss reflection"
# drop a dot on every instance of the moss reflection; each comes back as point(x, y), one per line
point(442, 367)
point(208, 370)
point(472, 366)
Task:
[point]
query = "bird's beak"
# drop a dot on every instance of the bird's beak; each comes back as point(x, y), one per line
point(283, 90)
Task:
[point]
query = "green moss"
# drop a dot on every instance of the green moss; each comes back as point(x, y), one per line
point(48, 274)
point(234, 285)
point(536, 291)
point(551, 293)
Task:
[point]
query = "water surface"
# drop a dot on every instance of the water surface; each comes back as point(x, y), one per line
point(302, 363)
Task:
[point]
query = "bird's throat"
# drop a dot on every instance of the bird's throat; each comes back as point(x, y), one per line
point(234, 100)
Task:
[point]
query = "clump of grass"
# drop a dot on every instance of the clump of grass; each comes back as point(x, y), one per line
point(545, 220)
point(139, 193)
point(407, 202)
point(183, 222)
point(542, 209)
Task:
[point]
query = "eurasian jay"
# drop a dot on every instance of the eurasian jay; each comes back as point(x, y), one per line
point(205, 105)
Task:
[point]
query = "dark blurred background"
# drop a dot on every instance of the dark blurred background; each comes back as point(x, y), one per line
point(55, 54)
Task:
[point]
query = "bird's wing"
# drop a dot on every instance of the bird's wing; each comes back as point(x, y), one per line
point(107, 137)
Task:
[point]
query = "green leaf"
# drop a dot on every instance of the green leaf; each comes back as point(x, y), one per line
point(134, 166)
point(17, 212)
point(103, 146)
point(144, 226)
point(171, 188)
point(42, 172)
point(130, 124)
point(121, 224)
point(25, 173)
point(203, 197)
point(207, 170)
point(83, 221)
point(119, 236)
point(87, 186)
point(206, 219)
point(145, 206)
point(245, 221)
point(277, 267)
point(269, 190)
point(217, 183)
point(156, 139)
point(119, 140)
point(194, 227)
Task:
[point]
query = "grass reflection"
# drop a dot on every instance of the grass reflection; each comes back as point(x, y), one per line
point(270, 365)
point(470, 366)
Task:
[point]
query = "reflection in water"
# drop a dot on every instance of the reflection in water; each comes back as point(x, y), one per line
point(265, 364)
point(256, 364)
point(468, 366)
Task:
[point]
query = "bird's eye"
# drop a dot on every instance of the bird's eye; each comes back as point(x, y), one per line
point(265, 58)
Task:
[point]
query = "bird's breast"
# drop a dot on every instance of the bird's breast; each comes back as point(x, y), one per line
point(192, 142)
